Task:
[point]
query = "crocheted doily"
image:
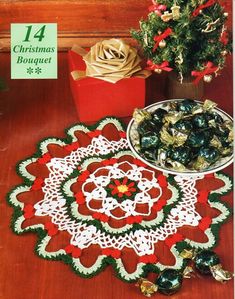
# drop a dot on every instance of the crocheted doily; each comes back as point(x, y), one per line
point(93, 203)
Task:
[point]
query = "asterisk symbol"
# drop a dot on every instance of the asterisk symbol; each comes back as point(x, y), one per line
point(29, 70)
point(38, 70)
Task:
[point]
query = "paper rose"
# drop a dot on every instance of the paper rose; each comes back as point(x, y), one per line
point(111, 60)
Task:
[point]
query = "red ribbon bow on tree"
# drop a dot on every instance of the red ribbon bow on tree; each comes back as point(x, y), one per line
point(157, 8)
point(160, 37)
point(209, 69)
point(224, 38)
point(200, 7)
point(163, 66)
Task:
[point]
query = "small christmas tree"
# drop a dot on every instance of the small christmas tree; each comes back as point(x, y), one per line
point(188, 37)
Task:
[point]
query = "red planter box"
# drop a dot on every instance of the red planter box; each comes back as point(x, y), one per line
point(95, 98)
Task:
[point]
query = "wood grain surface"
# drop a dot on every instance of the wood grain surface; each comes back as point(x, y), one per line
point(34, 109)
point(79, 21)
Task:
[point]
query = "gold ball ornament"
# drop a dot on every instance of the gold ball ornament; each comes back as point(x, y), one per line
point(224, 53)
point(226, 14)
point(162, 44)
point(207, 78)
point(158, 71)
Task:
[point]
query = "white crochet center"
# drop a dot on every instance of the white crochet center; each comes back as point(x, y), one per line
point(128, 206)
point(83, 235)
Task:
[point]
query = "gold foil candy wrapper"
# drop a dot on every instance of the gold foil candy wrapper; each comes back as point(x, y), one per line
point(216, 142)
point(188, 254)
point(166, 137)
point(230, 136)
point(212, 123)
point(180, 139)
point(173, 117)
point(171, 106)
point(140, 115)
point(197, 109)
point(188, 272)
point(162, 156)
point(200, 164)
point(172, 136)
point(175, 165)
point(146, 287)
point(177, 138)
point(220, 274)
point(226, 151)
point(209, 105)
point(229, 125)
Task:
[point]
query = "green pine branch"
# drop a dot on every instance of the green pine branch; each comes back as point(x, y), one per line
point(189, 47)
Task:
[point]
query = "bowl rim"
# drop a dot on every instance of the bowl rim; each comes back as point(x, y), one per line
point(170, 171)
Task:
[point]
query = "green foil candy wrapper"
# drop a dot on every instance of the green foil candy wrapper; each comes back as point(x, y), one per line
point(186, 106)
point(169, 281)
point(210, 154)
point(200, 121)
point(180, 154)
point(206, 259)
point(151, 155)
point(197, 139)
point(158, 115)
point(184, 135)
point(183, 126)
point(149, 140)
point(145, 127)
point(215, 116)
point(207, 263)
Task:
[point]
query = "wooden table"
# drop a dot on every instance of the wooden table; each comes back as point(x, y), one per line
point(32, 110)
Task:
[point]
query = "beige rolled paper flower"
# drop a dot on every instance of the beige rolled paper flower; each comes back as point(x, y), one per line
point(111, 60)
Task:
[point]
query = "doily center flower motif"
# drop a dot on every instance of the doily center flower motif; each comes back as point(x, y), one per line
point(122, 188)
point(131, 183)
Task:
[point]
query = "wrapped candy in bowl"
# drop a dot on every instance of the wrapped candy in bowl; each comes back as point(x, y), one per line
point(182, 136)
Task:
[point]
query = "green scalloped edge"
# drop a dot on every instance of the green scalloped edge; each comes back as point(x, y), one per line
point(143, 269)
point(65, 141)
point(215, 202)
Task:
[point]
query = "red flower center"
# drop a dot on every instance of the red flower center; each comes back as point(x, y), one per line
point(122, 187)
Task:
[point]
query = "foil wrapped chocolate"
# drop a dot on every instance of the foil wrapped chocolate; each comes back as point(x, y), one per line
point(158, 115)
point(146, 287)
point(207, 262)
point(187, 105)
point(184, 135)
